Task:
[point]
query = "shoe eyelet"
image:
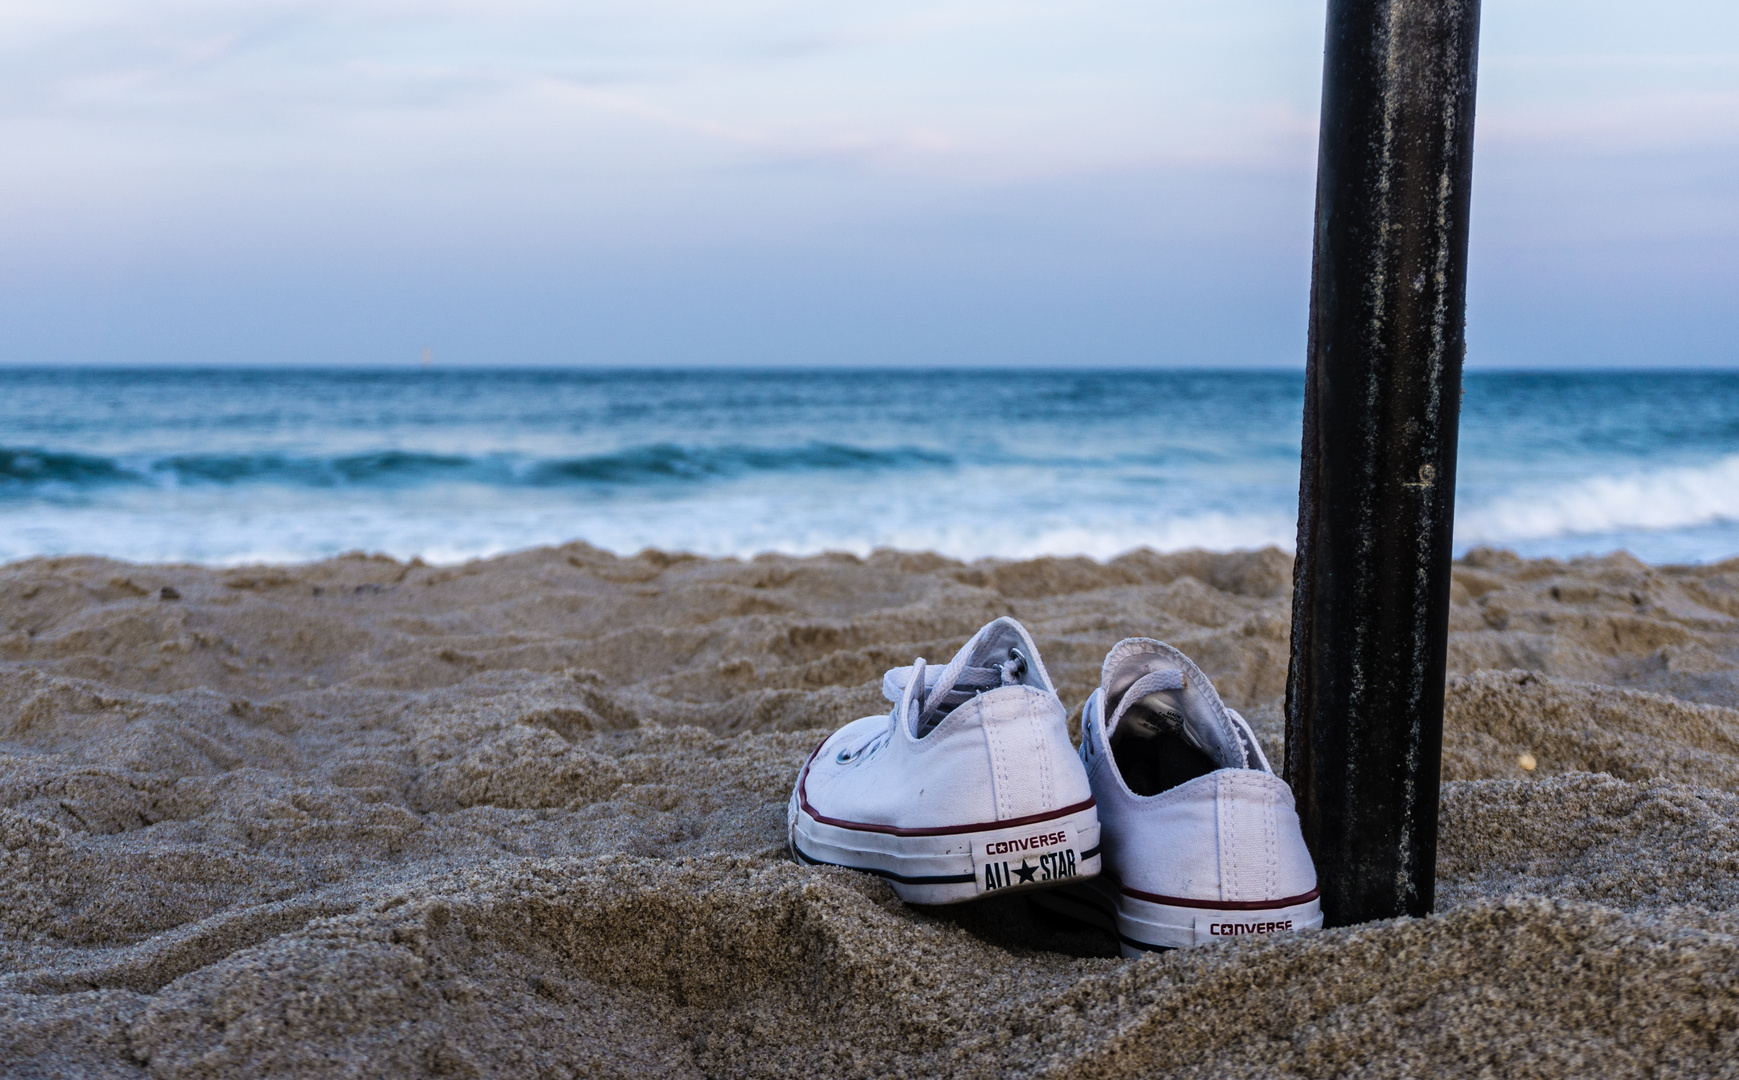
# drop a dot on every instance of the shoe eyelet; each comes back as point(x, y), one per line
point(847, 756)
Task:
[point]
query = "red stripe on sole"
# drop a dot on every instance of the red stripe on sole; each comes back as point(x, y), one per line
point(1217, 905)
point(945, 830)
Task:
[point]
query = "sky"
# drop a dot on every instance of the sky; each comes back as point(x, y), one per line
point(744, 182)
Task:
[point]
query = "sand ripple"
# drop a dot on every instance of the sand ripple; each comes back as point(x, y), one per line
point(524, 817)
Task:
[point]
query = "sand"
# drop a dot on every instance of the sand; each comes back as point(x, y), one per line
point(524, 817)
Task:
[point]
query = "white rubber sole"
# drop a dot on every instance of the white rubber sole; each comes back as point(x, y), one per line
point(949, 866)
point(1150, 925)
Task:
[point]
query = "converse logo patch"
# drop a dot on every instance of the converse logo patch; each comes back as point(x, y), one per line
point(1046, 854)
point(1223, 925)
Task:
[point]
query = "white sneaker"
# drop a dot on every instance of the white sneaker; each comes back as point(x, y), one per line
point(1201, 839)
point(968, 787)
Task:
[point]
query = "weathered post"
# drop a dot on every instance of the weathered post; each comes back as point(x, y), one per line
point(1370, 610)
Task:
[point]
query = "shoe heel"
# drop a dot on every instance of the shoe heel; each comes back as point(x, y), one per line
point(1146, 923)
point(937, 866)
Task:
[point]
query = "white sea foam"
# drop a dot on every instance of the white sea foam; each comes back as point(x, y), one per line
point(1643, 501)
point(221, 469)
point(466, 524)
point(1674, 513)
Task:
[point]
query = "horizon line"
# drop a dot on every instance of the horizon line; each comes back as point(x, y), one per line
point(415, 368)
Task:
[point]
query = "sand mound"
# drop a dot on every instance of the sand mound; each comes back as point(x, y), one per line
point(525, 817)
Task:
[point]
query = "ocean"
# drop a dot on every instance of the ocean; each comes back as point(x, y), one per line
point(234, 466)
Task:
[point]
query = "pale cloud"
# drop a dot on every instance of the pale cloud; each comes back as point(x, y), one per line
point(1030, 77)
point(226, 133)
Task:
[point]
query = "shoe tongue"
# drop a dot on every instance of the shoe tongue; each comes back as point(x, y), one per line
point(1164, 700)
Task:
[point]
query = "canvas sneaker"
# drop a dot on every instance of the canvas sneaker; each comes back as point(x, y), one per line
point(1201, 839)
point(968, 787)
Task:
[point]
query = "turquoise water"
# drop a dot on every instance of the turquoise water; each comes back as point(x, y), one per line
point(233, 465)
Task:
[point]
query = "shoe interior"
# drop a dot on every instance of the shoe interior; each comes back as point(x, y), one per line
point(1168, 738)
point(1151, 749)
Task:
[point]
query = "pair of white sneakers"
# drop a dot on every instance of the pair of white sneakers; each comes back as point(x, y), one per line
point(1168, 827)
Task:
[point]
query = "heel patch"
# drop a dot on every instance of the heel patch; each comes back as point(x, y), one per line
point(1222, 926)
point(1049, 853)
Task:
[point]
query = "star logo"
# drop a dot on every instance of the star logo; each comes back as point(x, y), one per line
point(1025, 872)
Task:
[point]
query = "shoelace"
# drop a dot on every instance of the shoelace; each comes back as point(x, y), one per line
point(932, 707)
point(971, 682)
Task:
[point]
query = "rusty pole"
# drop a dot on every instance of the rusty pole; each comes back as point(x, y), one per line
point(1364, 709)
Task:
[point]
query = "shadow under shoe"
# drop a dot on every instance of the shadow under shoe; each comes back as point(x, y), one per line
point(1019, 925)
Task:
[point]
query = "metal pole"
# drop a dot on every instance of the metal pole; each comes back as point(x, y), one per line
point(1370, 609)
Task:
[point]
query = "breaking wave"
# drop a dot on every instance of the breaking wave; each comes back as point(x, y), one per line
point(222, 466)
point(1654, 500)
point(26, 470)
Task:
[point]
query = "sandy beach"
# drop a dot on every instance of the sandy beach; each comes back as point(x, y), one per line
point(524, 817)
